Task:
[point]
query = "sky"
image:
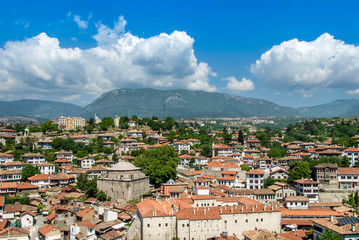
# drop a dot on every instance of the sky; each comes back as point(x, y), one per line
point(293, 53)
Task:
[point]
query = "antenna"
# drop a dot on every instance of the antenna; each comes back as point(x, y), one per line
point(164, 111)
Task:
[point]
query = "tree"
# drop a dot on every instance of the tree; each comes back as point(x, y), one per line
point(268, 182)
point(106, 122)
point(48, 126)
point(25, 199)
point(240, 137)
point(29, 171)
point(299, 170)
point(159, 164)
point(330, 235)
point(206, 151)
point(276, 152)
point(81, 181)
point(245, 168)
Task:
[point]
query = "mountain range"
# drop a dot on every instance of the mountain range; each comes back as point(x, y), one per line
point(179, 103)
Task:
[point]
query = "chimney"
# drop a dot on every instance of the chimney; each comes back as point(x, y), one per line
point(204, 210)
point(242, 209)
point(331, 218)
point(220, 209)
point(252, 208)
point(231, 209)
point(154, 212)
point(353, 227)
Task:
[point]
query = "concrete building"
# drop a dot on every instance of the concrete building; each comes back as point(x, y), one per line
point(124, 181)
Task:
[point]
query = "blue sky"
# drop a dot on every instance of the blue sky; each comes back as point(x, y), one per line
point(294, 53)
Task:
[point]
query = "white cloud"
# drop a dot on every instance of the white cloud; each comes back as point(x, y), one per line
point(239, 86)
point(352, 92)
point(81, 23)
point(306, 66)
point(38, 65)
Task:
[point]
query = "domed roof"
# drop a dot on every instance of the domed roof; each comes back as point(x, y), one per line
point(123, 166)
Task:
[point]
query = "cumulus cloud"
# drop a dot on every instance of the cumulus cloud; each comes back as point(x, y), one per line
point(81, 23)
point(307, 66)
point(239, 86)
point(38, 65)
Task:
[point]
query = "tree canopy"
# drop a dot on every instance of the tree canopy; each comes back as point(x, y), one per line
point(159, 164)
point(29, 171)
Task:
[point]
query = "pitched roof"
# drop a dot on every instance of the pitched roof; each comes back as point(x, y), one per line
point(86, 224)
point(214, 164)
point(230, 165)
point(351, 149)
point(12, 228)
point(255, 172)
point(348, 171)
point(44, 230)
point(305, 181)
point(28, 212)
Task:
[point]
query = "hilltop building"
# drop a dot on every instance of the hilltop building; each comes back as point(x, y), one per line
point(71, 123)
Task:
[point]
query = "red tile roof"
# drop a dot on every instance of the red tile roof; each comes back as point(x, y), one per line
point(214, 164)
point(348, 171)
point(256, 172)
point(305, 181)
point(43, 231)
point(351, 149)
point(230, 165)
point(28, 212)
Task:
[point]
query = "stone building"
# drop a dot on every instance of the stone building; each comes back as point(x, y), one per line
point(125, 181)
point(183, 218)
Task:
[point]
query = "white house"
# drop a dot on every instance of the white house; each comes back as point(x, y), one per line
point(85, 229)
point(296, 202)
point(348, 177)
point(6, 158)
point(64, 154)
point(352, 154)
point(182, 146)
point(309, 188)
point(44, 144)
point(46, 168)
point(34, 158)
point(86, 162)
point(27, 219)
point(255, 179)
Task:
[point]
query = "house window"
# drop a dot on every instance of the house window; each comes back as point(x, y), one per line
point(148, 225)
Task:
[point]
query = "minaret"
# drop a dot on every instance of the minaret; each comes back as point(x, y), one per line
point(213, 148)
